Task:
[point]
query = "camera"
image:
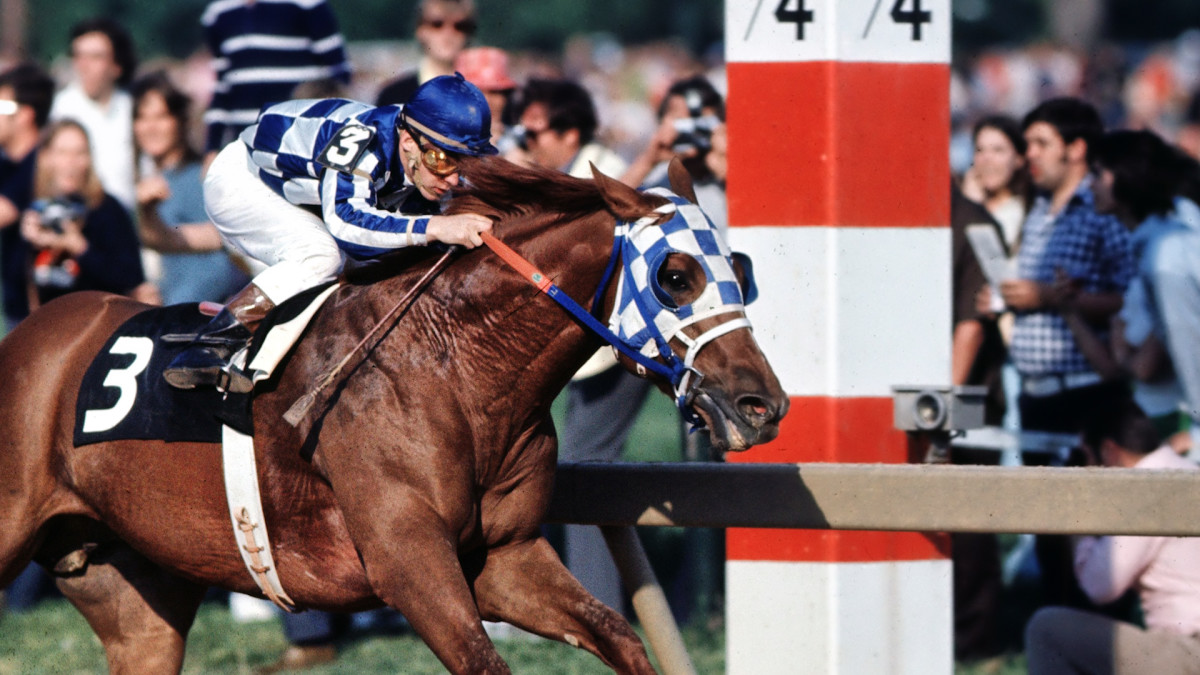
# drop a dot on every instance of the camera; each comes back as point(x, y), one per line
point(56, 212)
point(921, 408)
point(695, 133)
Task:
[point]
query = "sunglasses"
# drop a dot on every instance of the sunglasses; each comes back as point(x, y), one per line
point(531, 135)
point(464, 26)
point(438, 161)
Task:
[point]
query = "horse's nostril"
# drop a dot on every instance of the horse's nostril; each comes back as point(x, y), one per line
point(755, 410)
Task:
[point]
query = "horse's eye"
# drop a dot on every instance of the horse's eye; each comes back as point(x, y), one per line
point(673, 281)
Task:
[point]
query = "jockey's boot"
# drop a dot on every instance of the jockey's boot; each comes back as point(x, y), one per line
point(207, 360)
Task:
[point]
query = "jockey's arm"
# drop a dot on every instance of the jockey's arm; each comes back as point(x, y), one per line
point(364, 230)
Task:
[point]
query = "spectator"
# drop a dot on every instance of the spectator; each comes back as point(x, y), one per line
point(690, 112)
point(81, 238)
point(1059, 388)
point(559, 123)
point(603, 399)
point(103, 62)
point(1063, 232)
point(977, 349)
point(171, 212)
point(261, 51)
point(443, 29)
point(26, 93)
point(487, 68)
point(1139, 180)
point(1164, 570)
point(998, 178)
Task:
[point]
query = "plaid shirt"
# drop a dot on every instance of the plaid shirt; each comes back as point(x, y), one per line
point(1087, 246)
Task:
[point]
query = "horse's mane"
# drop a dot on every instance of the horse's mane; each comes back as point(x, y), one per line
point(502, 190)
point(498, 188)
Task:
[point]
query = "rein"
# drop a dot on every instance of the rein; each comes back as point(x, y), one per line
point(300, 408)
point(674, 373)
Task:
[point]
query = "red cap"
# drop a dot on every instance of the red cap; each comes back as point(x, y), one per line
point(486, 68)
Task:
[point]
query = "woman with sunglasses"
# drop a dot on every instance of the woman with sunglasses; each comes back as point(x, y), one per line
point(316, 180)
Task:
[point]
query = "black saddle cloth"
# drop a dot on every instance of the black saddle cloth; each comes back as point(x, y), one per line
point(124, 396)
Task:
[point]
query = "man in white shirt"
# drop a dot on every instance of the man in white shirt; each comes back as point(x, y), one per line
point(103, 61)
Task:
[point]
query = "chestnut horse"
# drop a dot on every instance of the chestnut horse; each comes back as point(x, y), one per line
point(432, 463)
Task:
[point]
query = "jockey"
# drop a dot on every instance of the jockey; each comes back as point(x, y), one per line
point(316, 180)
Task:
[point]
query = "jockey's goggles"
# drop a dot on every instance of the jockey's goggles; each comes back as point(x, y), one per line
point(438, 161)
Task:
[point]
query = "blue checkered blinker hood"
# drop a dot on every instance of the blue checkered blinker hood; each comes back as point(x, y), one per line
point(645, 318)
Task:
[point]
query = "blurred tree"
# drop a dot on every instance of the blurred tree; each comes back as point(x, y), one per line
point(1134, 20)
point(982, 23)
point(173, 28)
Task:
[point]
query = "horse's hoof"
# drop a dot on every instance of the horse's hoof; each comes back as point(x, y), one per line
point(299, 657)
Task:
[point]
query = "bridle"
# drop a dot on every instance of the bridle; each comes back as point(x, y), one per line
point(643, 322)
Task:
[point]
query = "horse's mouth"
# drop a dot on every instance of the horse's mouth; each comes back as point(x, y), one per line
point(728, 430)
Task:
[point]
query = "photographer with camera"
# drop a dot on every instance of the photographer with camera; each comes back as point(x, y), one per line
point(691, 127)
point(81, 237)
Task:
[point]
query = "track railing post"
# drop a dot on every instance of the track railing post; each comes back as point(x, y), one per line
point(838, 187)
point(649, 601)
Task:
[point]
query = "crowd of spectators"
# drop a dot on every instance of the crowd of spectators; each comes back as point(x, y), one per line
point(1086, 174)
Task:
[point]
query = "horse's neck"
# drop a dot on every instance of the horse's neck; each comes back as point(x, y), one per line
point(523, 327)
point(494, 332)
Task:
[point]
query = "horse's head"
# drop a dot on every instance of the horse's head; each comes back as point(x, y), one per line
point(680, 299)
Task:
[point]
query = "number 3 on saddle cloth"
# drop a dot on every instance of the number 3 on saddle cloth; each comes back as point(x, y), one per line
point(124, 396)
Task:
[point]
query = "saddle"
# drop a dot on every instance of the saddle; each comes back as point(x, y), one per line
point(123, 394)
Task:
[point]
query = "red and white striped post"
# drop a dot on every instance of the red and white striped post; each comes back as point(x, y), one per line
point(838, 118)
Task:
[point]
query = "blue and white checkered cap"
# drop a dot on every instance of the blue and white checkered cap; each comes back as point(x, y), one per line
point(641, 318)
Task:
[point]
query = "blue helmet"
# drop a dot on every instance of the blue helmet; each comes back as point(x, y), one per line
point(453, 114)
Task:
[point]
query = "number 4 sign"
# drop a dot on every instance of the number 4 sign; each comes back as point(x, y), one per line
point(913, 31)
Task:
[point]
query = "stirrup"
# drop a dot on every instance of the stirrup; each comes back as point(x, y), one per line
point(226, 377)
point(235, 380)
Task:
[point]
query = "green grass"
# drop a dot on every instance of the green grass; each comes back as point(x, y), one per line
point(54, 638)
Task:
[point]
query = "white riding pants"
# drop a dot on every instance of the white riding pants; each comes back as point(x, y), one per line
point(293, 243)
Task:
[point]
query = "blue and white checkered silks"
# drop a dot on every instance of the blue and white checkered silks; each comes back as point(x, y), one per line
point(645, 318)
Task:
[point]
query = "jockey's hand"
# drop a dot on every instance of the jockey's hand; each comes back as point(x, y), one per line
point(463, 229)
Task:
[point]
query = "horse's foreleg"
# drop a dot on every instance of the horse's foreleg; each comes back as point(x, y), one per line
point(140, 612)
point(527, 585)
point(416, 570)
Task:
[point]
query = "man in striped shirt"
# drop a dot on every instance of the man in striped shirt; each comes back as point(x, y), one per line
point(318, 179)
point(261, 50)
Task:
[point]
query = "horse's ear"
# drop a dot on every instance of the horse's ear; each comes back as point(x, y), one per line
point(625, 202)
point(680, 180)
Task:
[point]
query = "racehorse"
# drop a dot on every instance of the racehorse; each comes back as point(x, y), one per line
point(432, 463)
